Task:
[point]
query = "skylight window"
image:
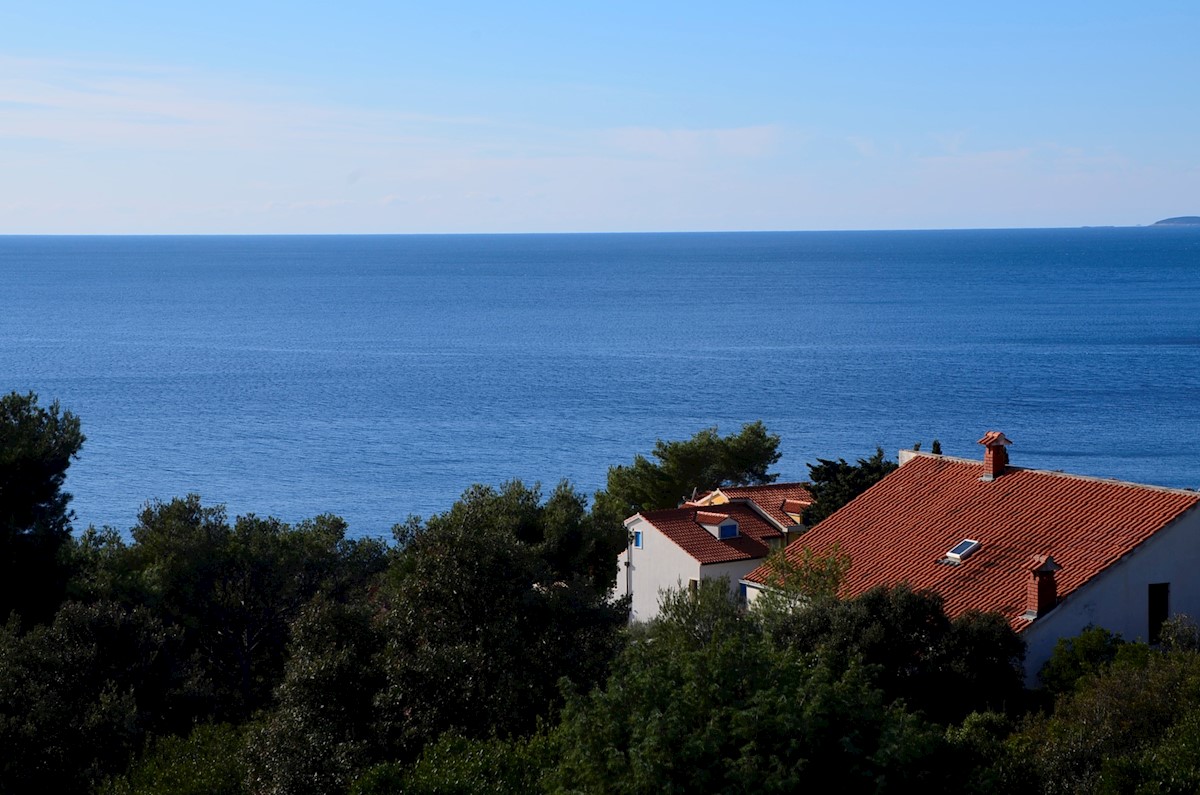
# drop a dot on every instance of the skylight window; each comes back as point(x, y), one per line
point(963, 549)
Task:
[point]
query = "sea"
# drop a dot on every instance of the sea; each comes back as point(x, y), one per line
point(378, 377)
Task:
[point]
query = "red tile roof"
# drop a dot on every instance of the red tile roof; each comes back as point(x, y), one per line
point(770, 498)
point(899, 530)
point(794, 506)
point(681, 526)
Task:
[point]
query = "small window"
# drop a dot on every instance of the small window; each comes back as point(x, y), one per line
point(637, 539)
point(693, 586)
point(728, 531)
point(963, 549)
point(743, 592)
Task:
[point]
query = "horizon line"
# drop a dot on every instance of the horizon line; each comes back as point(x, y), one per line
point(587, 232)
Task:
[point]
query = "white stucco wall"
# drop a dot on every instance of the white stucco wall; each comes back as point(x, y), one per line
point(1118, 598)
point(735, 571)
point(752, 592)
point(660, 564)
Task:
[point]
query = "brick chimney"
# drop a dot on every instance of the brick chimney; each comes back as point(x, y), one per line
point(995, 459)
point(1041, 592)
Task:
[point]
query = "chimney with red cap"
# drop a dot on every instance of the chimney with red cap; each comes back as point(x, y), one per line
point(1041, 593)
point(996, 458)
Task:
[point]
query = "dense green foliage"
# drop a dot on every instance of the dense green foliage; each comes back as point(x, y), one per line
point(706, 461)
point(835, 483)
point(208, 761)
point(916, 653)
point(78, 696)
point(232, 591)
point(1131, 726)
point(320, 733)
point(36, 447)
point(482, 652)
point(457, 766)
point(704, 701)
point(487, 607)
point(798, 576)
point(1075, 658)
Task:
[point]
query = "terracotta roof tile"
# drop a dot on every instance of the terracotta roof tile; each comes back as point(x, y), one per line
point(901, 528)
point(681, 526)
point(770, 498)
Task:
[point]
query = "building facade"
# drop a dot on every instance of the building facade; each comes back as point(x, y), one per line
point(1053, 553)
point(724, 533)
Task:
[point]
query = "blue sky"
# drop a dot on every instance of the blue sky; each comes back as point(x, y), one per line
point(132, 117)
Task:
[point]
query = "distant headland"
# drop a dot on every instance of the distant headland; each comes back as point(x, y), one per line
point(1183, 220)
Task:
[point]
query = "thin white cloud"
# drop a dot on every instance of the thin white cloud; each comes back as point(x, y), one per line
point(740, 142)
point(864, 145)
point(149, 107)
point(1047, 159)
point(111, 147)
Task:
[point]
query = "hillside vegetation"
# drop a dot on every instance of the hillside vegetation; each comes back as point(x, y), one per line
point(482, 651)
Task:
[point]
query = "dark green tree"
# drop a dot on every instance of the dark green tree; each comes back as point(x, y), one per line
point(982, 660)
point(559, 531)
point(1171, 764)
point(1076, 657)
point(484, 612)
point(102, 568)
point(208, 761)
point(235, 590)
point(457, 766)
point(1180, 633)
point(912, 650)
point(703, 701)
point(1130, 726)
point(36, 446)
point(835, 483)
point(983, 758)
point(706, 461)
point(798, 577)
point(320, 733)
point(78, 696)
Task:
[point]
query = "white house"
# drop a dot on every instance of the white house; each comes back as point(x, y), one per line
point(1051, 552)
point(725, 533)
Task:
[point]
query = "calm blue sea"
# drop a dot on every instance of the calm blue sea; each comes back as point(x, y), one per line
point(378, 376)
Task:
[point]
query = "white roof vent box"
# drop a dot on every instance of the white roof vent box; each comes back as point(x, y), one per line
point(962, 550)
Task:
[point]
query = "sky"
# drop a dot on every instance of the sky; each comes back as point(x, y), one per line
point(465, 117)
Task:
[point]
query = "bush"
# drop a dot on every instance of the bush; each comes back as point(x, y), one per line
point(206, 762)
